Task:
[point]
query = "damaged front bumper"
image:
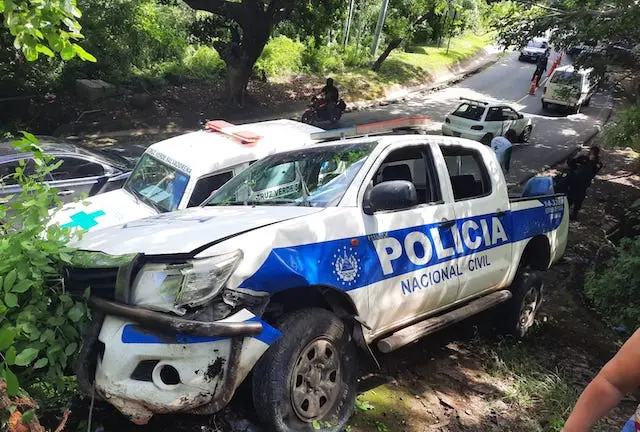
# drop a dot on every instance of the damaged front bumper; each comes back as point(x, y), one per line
point(145, 362)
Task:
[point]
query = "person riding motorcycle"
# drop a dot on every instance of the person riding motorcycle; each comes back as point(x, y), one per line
point(331, 96)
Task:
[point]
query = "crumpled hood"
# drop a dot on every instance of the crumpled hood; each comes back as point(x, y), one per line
point(184, 231)
point(101, 211)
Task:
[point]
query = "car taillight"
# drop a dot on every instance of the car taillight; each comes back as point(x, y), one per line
point(446, 120)
point(477, 127)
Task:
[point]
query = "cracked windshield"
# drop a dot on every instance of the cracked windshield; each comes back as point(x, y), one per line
point(315, 178)
point(157, 184)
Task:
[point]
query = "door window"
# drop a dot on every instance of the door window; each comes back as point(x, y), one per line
point(509, 114)
point(494, 114)
point(76, 168)
point(205, 186)
point(467, 172)
point(413, 164)
point(8, 169)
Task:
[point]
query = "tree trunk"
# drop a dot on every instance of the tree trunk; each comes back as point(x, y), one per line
point(395, 43)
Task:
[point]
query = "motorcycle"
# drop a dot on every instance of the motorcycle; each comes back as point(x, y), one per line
point(317, 111)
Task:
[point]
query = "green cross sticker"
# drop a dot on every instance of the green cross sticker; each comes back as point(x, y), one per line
point(84, 220)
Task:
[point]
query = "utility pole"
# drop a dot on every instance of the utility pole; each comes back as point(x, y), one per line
point(381, 18)
point(347, 27)
point(453, 21)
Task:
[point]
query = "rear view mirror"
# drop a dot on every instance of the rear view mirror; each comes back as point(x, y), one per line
point(390, 195)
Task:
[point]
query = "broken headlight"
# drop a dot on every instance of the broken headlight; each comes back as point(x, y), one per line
point(173, 287)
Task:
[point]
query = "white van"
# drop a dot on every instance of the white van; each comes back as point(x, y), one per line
point(183, 171)
point(569, 88)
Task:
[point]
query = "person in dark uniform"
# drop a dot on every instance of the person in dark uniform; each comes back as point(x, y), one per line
point(582, 170)
point(330, 94)
point(541, 67)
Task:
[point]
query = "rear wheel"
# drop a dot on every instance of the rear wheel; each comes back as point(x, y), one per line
point(307, 379)
point(526, 134)
point(486, 140)
point(520, 312)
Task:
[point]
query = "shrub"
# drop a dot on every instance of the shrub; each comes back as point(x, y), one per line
point(325, 59)
point(356, 56)
point(625, 131)
point(615, 290)
point(281, 56)
point(202, 62)
point(40, 324)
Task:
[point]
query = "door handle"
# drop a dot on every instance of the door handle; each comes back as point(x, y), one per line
point(501, 213)
point(445, 224)
point(65, 192)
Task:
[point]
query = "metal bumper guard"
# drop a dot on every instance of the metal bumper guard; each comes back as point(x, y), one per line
point(233, 332)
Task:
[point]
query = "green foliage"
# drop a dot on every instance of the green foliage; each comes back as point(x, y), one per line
point(325, 59)
point(281, 56)
point(44, 27)
point(625, 130)
point(203, 62)
point(130, 35)
point(39, 323)
point(615, 290)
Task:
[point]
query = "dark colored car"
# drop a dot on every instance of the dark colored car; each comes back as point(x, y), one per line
point(83, 170)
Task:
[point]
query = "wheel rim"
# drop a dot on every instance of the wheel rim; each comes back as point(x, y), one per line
point(315, 380)
point(527, 134)
point(528, 309)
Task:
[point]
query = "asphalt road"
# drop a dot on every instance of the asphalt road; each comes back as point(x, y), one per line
point(554, 135)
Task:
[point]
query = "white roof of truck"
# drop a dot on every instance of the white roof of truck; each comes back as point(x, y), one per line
point(207, 151)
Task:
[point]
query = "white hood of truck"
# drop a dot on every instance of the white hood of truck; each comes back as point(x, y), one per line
point(101, 211)
point(186, 230)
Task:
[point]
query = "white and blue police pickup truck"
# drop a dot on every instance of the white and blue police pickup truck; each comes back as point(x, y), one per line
point(183, 171)
point(302, 263)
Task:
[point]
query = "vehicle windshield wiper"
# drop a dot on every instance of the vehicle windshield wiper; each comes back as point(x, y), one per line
point(148, 201)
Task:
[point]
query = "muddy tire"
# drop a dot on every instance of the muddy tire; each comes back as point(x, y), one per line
point(307, 377)
point(526, 134)
point(519, 313)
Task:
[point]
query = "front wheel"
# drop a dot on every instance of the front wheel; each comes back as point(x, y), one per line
point(308, 117)
point(520, 312)
point(307, 379)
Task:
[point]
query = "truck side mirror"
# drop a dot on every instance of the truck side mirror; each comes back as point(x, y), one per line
point(390, 195)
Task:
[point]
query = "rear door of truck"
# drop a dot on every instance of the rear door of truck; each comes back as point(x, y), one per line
point(483, 222)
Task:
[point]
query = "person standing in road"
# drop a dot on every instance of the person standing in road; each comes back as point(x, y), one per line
point(541, 67)
point(502, 146)
point(619, 377)
point(582, 170)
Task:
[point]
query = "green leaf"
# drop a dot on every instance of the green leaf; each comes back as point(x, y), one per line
point(2, 6)
point(316, 425)
point(11, 300)
point(6, 338)
point(83, 54)
point(10, 279)
point(71, 349)
point(41, 363)
point(44, 50)
point(75, 313)
point(10, 356)
point(27, 416)
point(22, 286)
point(12, 382)
point(67, 52)
point(26, 356)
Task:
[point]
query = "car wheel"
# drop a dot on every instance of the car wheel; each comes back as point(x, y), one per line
point(307, 378)
point(521, 57)
point(526, 134)
point(519, 313)
point(486, 140)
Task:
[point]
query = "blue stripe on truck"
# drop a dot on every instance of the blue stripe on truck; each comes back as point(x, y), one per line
point(133, 334)
point(337, 263)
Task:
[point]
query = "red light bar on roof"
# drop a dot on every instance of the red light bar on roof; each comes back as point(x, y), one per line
point(223, 127)
point(373, 128)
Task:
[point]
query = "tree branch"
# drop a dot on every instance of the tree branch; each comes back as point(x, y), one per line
point(223, 8)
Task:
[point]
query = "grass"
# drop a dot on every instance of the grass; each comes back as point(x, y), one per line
point(410, 68)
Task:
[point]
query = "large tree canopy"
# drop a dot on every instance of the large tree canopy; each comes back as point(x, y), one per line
point(246, 26)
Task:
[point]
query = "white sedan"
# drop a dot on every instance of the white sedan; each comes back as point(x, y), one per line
point(482, 121)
